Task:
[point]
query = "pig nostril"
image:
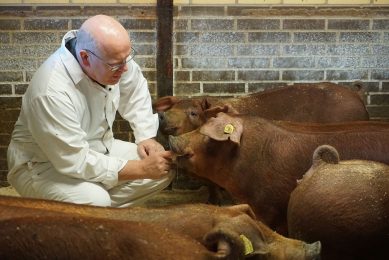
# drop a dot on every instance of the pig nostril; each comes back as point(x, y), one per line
point(161, 116)
point(187, 155)
point(317, 257)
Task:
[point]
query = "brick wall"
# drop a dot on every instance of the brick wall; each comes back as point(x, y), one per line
point(220, 49)
point(236, 50)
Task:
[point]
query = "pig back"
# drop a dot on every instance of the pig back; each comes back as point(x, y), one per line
point(43, 234)
point(345, 205)
point(323, 102)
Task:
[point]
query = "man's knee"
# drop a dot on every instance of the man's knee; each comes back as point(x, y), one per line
point(96, 197)
point(87, 194)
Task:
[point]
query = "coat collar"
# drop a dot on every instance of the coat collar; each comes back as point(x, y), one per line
point(69, 61)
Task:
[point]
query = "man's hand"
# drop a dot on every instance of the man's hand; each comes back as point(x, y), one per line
point(153, 166)
point(148, 147)
point(157, 165)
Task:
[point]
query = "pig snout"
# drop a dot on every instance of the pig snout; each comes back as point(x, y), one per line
point(178, 145)
point(313, 251)
point(166, 127)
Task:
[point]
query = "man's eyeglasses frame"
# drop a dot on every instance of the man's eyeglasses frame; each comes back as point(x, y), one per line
point(115, 67)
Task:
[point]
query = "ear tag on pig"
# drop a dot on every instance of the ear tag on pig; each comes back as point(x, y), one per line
point(228, 129)
point(248, 246)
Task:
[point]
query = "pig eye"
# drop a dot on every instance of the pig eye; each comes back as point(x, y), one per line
point(192, 114)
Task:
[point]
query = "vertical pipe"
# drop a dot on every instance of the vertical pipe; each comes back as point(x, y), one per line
point(164, 48)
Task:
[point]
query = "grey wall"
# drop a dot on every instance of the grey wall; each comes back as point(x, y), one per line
point(218, 50)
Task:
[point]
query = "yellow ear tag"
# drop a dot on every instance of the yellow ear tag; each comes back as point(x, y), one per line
point(248, 246)
point(228, 129)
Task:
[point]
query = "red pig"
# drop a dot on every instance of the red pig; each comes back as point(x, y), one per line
point(41, 234)
point(345, 204)
point(258, 161)
point(323, 102)
point(303, 102)
point(227, 232)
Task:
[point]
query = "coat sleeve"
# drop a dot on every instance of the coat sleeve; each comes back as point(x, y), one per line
point(54, 125)
point(135, 104)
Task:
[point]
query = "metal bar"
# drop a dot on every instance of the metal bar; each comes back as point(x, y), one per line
point(164, 48)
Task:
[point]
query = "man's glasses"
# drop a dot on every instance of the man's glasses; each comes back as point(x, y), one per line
point(115, 67)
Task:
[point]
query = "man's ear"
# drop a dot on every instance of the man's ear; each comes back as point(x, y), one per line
point(84, 55)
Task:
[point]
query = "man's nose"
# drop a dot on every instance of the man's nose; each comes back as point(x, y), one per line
point(123, 68)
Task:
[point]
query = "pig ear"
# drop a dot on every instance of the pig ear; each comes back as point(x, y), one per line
point(165, 103)
point(230, 245)
point(244, 208)
point(205, 104)
point(224, 243)
point(213, 111)
point(223, 128)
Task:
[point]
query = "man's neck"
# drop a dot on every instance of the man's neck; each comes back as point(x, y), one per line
point(71, 46)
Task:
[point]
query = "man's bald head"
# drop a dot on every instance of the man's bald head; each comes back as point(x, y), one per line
point(102, 34)
point(102, 42)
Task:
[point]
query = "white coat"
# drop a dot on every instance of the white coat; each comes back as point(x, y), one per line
point(66, 119)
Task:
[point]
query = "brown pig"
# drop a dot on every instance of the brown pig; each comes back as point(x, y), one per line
point(345, 204)
point(258, 161)
point(305, 102)
point(231, 232)
point(41, 234)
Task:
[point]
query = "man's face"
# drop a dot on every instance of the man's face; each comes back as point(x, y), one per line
point(108, 66)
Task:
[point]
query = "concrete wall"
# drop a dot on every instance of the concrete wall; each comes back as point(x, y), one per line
point(229, 47)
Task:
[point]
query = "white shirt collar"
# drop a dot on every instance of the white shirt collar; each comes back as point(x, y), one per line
point(71, 64)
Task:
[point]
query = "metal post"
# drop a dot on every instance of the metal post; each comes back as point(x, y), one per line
point(164, 48)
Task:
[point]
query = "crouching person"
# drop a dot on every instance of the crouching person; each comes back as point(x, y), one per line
point(62, 147)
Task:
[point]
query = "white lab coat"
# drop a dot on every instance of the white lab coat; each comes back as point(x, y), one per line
point(66, 119)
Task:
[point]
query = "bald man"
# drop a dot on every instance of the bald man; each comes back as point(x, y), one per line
point(62, 147)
